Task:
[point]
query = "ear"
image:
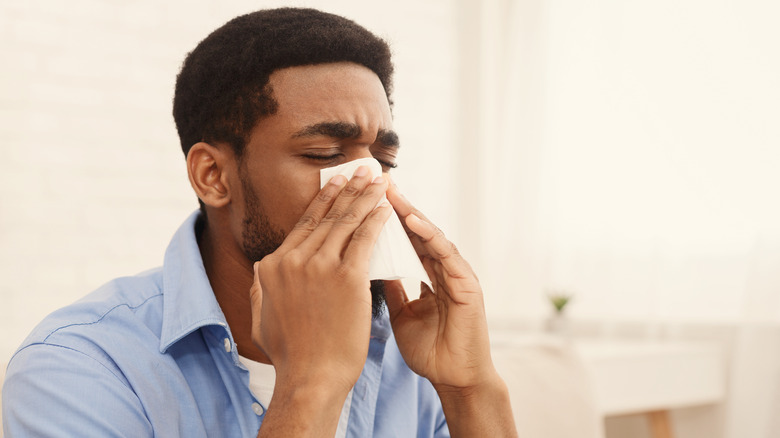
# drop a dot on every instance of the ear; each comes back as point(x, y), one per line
point(208, 170)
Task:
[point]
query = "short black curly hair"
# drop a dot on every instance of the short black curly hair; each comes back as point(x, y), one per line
point(222, 90)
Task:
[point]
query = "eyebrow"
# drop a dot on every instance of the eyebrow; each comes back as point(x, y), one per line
point(343, 130)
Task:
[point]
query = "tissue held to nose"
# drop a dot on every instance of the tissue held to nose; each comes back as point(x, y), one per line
point(394, 257)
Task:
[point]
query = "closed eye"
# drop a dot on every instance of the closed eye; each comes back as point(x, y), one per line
point(386, 164)
point(323, 157)
point(329, 158)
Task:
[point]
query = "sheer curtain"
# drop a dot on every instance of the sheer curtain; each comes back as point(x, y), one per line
point(632, 157)
point(630, 154)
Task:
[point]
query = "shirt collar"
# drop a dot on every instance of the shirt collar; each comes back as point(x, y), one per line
point(188, 300)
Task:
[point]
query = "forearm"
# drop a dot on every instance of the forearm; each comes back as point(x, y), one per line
point(303, 411)
point(480, 411)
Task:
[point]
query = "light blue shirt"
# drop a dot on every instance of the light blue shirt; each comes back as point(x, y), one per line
point(152, 355)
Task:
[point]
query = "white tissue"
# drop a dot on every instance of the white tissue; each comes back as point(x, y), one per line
point(394, 256)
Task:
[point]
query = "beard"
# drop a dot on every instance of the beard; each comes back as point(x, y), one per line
point(260, 238)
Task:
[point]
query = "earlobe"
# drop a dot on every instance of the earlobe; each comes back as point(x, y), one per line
point(206, 168)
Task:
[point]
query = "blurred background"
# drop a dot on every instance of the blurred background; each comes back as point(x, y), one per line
point(623, 153)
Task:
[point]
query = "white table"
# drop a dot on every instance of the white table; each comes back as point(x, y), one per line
point(624, 376)
point(630, 377)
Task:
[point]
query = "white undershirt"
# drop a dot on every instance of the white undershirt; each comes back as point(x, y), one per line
point(262, 378)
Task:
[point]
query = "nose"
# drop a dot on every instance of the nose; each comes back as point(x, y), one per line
point(357, 152)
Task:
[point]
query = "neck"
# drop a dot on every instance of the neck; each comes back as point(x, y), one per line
point(230, 274)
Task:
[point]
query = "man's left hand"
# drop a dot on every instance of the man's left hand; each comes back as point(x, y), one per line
point(443, 335)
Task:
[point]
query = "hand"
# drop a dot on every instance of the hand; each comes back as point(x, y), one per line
point(442, 335)
point(311, 304)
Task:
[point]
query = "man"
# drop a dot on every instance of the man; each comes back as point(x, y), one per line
point(273, 271)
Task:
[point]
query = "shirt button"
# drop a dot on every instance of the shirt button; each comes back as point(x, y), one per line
point(258, 409)
point(227, 345)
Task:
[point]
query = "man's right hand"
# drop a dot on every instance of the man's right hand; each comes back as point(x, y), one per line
point(311, 305)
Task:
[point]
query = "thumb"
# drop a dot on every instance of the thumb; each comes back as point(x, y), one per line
point(395, 297)
point(256, 301)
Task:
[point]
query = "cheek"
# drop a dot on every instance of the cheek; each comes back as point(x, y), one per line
point(289, 194)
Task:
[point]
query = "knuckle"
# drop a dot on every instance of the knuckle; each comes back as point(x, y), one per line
point(333, 215)
point(452, 250)
point(437, 234)
point(323, 264)
point(363, 233)
point(343, 271)
point(351, 190)
point(267, 264)
point(351, 216)
point(449, 251)
point(307, 222)
point(319, 264)
point(325, 196)
point(293, 260)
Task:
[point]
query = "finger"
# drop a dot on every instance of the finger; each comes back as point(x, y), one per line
point(395, 297)
point(361, 244)
point(313, 215)
point(401, 205)
point(340, 210)
point(429, 265)
point(342, 231)
point(425, 290)
point(438, 276)
point(431, 242)
point(256, 291)
point(439, 247)
point(404, 208)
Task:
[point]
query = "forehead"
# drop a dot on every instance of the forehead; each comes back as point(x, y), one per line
point(330, 92)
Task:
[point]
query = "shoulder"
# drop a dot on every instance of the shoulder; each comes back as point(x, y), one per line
point(124, 305)
point(72, 359)
point(71, 365)
point(53, 390)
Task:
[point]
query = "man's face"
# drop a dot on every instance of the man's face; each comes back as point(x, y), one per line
point(327, 114)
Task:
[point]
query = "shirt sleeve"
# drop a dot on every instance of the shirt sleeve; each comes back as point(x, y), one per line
point(52, 390)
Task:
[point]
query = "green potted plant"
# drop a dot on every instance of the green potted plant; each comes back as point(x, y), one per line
point(557, 322)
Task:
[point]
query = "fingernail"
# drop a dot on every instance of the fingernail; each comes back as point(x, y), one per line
point(414, 218)
point(379, 180)
point(338, 180)
point(361, 171)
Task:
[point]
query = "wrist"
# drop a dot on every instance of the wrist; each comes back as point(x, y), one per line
point(490, 385)
point(318, 387)
point(302, 407)
point(483, 409)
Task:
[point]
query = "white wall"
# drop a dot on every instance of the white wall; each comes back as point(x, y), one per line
point(93, 183)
